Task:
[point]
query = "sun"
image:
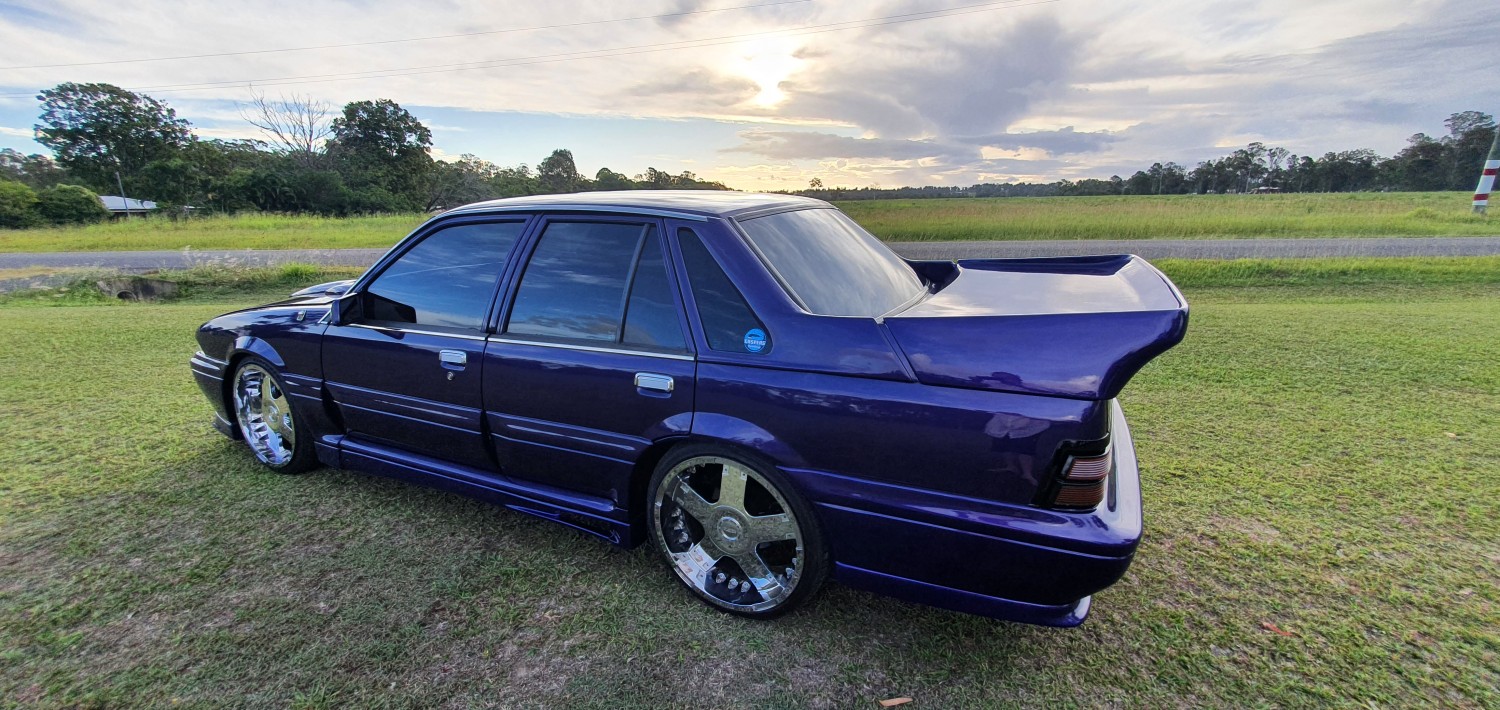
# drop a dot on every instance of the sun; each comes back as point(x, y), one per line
point(768, 62)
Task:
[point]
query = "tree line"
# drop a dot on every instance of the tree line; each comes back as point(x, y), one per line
point(1451, 162)
point(369, 157)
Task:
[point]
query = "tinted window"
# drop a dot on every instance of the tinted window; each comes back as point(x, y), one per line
point(446, 280)
point(727, 318)
point(832, 264)
point(651, 318)
point(574, 286)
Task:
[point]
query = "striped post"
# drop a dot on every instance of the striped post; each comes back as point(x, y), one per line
point(1487, 180)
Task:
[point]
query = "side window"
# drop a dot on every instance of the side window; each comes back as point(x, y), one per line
point(446, 281)
point(577, 283)
point(727, 319)
point(651, 317)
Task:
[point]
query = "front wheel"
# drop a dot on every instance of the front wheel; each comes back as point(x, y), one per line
point(268, 421)
point(735, 532)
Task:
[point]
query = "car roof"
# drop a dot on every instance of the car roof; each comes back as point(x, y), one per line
point(698, 203)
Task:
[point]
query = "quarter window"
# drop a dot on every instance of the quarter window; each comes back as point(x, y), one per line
point(446, 281)
point(727, 318)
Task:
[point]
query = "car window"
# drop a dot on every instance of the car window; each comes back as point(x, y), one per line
point(575, 285)
point(651, 318)
point(832, 264)
point(446, 280)
point(728, 322)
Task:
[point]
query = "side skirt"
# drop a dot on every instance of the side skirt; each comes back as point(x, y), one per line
point(589, 514)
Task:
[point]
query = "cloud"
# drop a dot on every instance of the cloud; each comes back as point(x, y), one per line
point(803, 145)
point(1063, 141)
point(17, 132)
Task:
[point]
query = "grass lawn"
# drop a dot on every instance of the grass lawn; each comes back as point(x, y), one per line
point(1136, 217)
point(1321, 481)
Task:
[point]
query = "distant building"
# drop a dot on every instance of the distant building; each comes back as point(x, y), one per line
point(120, 206)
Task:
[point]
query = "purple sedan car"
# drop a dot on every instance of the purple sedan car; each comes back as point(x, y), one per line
point(752, 384)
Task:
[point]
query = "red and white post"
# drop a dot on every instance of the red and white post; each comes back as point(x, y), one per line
point(1487, 180)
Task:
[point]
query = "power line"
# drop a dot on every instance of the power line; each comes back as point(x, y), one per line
point(594, 54)
point(405, 39)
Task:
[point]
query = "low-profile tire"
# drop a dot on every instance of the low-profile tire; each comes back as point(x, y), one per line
point(734, 531)
point(267, 421)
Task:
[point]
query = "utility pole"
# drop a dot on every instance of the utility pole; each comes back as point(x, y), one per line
point(1487, 179)
point(123, 199)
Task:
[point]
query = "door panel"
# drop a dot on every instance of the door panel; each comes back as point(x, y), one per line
point(392, 387)
point(592, 364)
point(576, 418)
point(404, 368)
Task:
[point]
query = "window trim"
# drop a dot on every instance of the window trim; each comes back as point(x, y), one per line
point(521, 261)
point(421, 234)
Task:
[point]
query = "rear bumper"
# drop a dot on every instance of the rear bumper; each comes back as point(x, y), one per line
point(1006, 561)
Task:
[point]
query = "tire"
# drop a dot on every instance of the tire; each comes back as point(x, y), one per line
point(267, 421)
point(757, 553)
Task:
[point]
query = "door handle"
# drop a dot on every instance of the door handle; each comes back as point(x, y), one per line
point(454, 358)
point(653, 382)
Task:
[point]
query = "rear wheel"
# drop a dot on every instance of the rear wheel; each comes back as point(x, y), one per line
point(735, 532)
point(267, 420)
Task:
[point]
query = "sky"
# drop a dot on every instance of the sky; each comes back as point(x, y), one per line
point(769, 94)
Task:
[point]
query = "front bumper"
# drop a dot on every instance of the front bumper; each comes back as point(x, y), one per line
point(1006, 561)
point(209, 374)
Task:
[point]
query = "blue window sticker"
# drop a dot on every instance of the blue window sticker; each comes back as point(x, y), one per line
point(755, 340)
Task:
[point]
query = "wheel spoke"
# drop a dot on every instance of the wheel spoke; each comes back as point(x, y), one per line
point(772, 528)
point(691, 503)
point(760, 575)
point(732, 487)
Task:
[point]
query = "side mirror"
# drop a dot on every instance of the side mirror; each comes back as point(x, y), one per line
point(344, 309)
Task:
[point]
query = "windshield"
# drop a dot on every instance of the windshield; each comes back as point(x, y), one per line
point(832, 264)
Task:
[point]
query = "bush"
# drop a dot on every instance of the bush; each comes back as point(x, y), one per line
point(71, 204)
point(17, 205)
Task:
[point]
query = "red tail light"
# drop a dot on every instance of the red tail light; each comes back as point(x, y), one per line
point(1083, 481)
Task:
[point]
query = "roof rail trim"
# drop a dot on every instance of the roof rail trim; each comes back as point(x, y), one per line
point(566, 207)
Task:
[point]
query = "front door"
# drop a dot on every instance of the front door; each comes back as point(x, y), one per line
point(591, 364)
point(404, 367)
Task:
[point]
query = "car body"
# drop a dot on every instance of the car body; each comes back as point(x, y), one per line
point(946, 433)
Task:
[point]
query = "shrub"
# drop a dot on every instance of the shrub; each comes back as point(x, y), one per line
point(71, 204)
point(17, 205)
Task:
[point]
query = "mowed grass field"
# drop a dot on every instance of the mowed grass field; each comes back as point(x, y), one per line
point(1133, 217)
point(1321, 482)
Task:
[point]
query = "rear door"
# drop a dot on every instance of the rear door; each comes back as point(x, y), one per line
point(591, 361)
point(404, 369)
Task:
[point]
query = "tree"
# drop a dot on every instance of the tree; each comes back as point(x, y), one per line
point(382, 153)
point(70, 204)
point(35, 171)
point(558, 173)
point(815, 184)
point(96, 129)
point(295, 126)
point(461, 181)
point(607, 179)
point(17, 205)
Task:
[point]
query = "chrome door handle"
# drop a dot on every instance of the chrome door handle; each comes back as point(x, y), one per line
point(653, 382)
point(453, 357)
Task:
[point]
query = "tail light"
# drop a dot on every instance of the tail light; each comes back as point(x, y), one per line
point(1081, 480)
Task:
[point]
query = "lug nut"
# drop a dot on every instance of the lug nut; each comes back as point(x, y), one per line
point(720, 577)
point(744, 587)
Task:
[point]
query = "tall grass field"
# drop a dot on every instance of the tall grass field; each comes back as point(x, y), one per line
point(1134, 217)
point(1319, 469)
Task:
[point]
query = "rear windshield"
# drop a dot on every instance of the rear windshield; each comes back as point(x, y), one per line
point(832, 264)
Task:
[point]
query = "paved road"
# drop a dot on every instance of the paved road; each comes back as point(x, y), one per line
point(141, 261)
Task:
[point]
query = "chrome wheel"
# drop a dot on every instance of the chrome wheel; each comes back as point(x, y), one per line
point(265, 415)
point(742, 550)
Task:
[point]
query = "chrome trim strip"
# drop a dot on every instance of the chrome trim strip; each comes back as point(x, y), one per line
point(592, 349)
point(415, 331)
point(550, 209)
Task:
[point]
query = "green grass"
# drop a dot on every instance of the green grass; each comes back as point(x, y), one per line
point(1136, 217)
point(1175, 217)
point(1318, 459)
point(246, 231)
point(207, 281)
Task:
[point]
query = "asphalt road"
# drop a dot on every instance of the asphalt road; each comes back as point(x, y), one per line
point(142, 261)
